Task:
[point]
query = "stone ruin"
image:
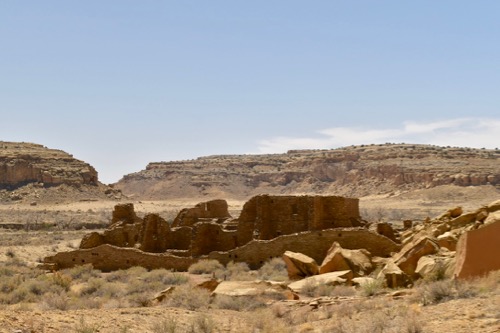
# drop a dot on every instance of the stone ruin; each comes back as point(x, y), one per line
point(266, 228)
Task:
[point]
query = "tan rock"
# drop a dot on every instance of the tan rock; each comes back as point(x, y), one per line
point(249, 288)
point(448, 240)
point(456, 212)
point(478, 251)
point(330, 279)
point(339, 259)
point(394, 277)
point(407, 258)
point(492, 217)
point(361, 281)
point(493, 207)
point(299, 265)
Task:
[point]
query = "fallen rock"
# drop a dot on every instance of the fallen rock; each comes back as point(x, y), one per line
point(160, 296)
point(361, 281)
point(251, 288)
point(447, 240)
point(339, 259)
point(435, 268)
point(299, 265)
point(478, 251)
point(456, 212)
point(408, 257)
point(394, 277)
point(492, 217)
point(330, 279)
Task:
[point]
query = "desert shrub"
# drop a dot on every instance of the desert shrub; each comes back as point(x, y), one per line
point(142, 299)
point(165, 325)
point(56, 301)
point(237, 271)
point(371, 288)
point(165, 277)
point(93, 286)
point(309, 288)
point(84, 327)
point(10, 253)
point(342, 291)
point(241, 303)
point(274, 269)
point(121, 275)
point(435, 292)
point(205, 266)
point(264, 321)
point(62, 280)
point(202, 323)
point(83, 272)
point(188, 297)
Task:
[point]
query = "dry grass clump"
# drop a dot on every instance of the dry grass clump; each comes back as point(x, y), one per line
point(188, 297)
point(205, 266)
point(273, 270)
point(371, 288)
point(441, 291)
point(240, 303)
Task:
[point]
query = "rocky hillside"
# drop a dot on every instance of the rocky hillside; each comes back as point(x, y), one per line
point(24, 163)
point(33, 172)
point(351, 171)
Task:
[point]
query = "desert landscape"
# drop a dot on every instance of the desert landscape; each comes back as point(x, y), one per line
point(372, 238)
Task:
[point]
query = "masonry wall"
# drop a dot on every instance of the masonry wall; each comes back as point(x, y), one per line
point(109, 258)
point(272, 216)
point(314, 244)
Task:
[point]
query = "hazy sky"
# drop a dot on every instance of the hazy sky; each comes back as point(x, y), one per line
point(123, 83)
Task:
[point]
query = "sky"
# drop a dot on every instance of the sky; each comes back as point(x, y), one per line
point(120, 84)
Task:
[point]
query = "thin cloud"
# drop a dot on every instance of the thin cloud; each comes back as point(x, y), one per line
point(461, 132)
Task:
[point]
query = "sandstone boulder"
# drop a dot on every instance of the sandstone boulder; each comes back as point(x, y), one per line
point(492, 217)
point(394, 277)
point(455, 212)
point(407, 258)
point(330, 279)
point(448, 240)
point(339, 259)
point(478, 251)
point(361, 281)
point(250, 288)
point(493, 207)
point(299, 265)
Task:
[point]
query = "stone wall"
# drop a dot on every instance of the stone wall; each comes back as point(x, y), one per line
point(109, 258)
point(314, 244)
point(267, 217)
point(214, 209)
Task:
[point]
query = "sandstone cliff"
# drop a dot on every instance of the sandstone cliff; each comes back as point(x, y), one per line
point(351, 171)
point(23, 163)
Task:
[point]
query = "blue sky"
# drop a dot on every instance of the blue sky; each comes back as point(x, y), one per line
point(122, 83)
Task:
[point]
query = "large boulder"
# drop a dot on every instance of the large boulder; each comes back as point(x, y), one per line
point(299, 265)
point(330, 279)
point(339, 259)
point(478, 251)
point(385, 229)
point(434, 267)
point(250, 288)
point(448, 240)
point(394, 277)
point(407, 258)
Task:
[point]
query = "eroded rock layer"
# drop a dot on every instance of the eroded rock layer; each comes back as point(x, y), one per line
point(24, 163)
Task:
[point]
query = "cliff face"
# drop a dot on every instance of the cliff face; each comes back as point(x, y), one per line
point(24, 163)
point(352, 171)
